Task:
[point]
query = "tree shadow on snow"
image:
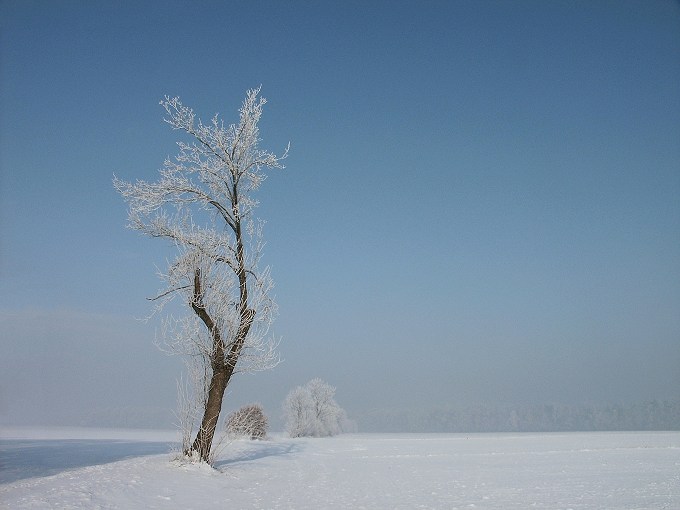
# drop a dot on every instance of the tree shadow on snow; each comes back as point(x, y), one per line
point(28, 458)
point(258, 450)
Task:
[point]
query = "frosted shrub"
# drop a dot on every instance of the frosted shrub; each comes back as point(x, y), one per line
point(249, 421)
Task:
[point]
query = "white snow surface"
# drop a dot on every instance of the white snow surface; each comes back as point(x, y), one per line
point(119, 469)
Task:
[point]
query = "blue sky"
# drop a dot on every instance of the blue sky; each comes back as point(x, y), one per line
point(480, 204)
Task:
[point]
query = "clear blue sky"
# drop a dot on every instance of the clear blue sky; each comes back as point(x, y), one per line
point(482, 201)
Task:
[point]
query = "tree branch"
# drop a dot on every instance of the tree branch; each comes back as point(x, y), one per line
point(168, 292)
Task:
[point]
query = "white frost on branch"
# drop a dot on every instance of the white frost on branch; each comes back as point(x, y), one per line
point(187, 335)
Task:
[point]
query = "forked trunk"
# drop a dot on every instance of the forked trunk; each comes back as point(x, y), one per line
point(222, 371)
point(222, 364)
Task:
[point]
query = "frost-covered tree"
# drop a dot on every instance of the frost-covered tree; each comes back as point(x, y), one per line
point(311, 410)
point(204, 204)
point(297, 411)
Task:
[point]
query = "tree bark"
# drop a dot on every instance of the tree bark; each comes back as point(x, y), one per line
point(204, 438)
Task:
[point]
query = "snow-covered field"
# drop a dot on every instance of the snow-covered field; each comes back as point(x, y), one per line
point(121, 469)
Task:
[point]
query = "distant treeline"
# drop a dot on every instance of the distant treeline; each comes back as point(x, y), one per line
point(130, 417)
point(652, 415)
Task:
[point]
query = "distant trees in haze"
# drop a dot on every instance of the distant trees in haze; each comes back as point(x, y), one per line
point(650, 415)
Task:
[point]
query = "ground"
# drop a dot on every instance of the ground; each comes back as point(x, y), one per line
point(120, 469)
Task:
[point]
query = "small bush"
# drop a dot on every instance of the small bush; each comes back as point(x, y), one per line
point(249, 421)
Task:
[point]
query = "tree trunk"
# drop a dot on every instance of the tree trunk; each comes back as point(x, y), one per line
point(218, 385)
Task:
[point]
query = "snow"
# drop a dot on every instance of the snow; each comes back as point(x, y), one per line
point(118, 469)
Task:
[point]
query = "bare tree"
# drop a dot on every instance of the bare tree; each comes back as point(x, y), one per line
point(203, 203)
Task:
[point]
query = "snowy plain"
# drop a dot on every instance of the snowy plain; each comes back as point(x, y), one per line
point(124, 469)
